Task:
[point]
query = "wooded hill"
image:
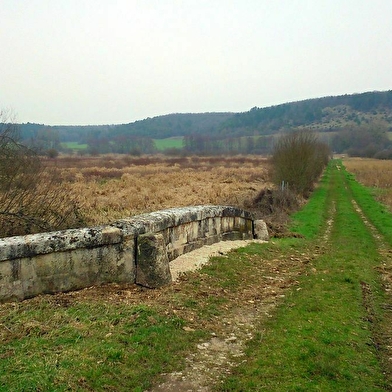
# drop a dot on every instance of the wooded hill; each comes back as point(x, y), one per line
point(349, 123)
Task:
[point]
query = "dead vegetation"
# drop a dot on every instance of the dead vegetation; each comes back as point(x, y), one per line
point(33, 197)
point(110, 187)
point(373, 173)
point(113, 187)
point(274, 206)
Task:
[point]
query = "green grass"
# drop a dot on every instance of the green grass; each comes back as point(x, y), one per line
point(311, 220)
point(88, 346)
point(171, 142)
point(74, 146)
point(160, 144)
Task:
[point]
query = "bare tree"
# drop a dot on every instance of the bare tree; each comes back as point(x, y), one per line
point(32, 198)
point(299, 158)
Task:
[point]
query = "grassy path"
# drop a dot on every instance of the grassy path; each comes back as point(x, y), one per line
point(331, 333)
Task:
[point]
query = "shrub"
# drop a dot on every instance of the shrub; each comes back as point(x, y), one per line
point(298, 160)
point(52, 153)
point(276, 201)
point(32, 198)
point(275, 206)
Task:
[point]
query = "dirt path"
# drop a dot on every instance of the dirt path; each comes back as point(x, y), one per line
point(215, 357)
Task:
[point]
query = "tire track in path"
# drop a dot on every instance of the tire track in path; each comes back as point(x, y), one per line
point(381, 329)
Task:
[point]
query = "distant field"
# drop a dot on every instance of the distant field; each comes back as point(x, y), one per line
point(74, 145)
point(161, 144)
point(112, 187)
point(171, 142)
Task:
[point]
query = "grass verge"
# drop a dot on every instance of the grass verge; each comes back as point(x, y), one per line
point(310, 221)
point(49, 345)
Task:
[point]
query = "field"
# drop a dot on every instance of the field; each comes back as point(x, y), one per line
point(74, 146)
point(160, 144)
point(171, 142)
point(373, 173)
point(113, 187)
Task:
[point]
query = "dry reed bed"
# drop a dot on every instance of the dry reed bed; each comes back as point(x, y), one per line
point(373, 173)
point(113, 187)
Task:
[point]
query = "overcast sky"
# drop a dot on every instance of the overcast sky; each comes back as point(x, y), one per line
point(118, 61)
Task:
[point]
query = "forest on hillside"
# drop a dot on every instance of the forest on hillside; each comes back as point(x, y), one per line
point(310, 112)
point(356, 124)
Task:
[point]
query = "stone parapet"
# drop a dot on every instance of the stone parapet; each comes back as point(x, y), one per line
point(77, 258)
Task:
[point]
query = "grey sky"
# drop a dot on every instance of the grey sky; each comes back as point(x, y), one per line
point(117, 61)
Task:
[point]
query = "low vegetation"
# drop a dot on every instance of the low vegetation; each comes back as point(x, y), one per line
point(32, 197)
point(113, 187)
point(298, 160)
point(99, 190)
point(320, 313)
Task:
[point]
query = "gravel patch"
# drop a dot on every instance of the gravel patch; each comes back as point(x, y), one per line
point(196, 259)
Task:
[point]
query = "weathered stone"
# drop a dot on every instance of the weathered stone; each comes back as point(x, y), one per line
point(76, 258)
point(172, 217)
point(261, 230)
point(152, 268)
point(58, 241)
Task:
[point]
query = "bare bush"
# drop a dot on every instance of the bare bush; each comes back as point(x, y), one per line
point(274, 206)
point(298, 159)
point(276, 201)
point(32, 197)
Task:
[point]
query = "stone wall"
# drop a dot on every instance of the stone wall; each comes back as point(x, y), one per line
point(133, 250)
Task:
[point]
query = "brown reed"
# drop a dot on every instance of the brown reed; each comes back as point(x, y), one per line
point(373, 173)
point(113, 187)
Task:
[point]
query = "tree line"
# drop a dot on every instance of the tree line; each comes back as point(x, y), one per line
point(207, 145)
point(369, 141)
point(303, 113)
point(358, 125)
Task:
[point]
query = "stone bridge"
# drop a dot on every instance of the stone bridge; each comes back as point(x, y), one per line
point(133, 250)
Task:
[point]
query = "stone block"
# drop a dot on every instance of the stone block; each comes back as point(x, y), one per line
point(152, 268)
point(260, 230)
